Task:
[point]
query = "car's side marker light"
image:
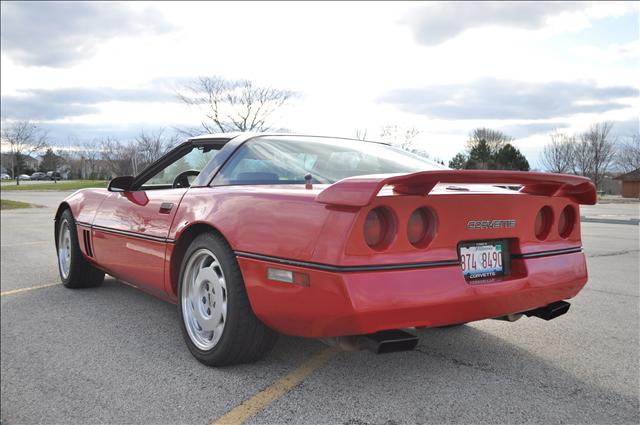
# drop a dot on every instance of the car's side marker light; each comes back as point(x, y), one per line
point(288, 276)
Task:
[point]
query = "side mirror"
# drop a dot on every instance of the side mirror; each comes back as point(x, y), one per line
point(120, 184)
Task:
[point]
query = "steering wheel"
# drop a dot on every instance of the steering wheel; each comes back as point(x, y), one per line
point(182, 180)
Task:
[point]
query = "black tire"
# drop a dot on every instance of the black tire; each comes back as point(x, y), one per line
point(81, 273)
point(245, 338)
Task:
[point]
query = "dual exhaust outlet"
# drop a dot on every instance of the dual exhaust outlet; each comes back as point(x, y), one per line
point(394, 340)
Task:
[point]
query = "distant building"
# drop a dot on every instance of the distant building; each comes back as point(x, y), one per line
point(31, 162)
point(609, 185)
point(28, 162)
point(630, 184)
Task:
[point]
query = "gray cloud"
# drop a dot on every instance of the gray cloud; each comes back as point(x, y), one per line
point(439, 21)
point(63, 133)
point(52, 104)
point(490, 98)
point(626, 128)
point(525, 130)
point(620, 128)
point(57, 34)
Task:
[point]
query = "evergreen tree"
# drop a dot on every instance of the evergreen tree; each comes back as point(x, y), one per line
point(489, 149)
point(21, 165)
point(481, 156)
point(50, 161)
point(458, 162)
point(510, 158)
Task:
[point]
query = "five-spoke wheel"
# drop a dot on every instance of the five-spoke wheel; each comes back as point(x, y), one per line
point(64, 248)
point(218, 324)
point(204, 298)
point(75, 270)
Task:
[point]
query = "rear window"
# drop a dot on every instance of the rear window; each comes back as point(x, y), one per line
point(287, 159)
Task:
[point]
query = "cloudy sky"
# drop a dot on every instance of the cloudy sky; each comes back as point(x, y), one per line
point(88, 70)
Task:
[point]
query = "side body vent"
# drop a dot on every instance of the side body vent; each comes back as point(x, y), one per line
point(86, 235)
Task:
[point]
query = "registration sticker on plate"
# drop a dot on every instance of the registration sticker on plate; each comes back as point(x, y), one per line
point(483, 259)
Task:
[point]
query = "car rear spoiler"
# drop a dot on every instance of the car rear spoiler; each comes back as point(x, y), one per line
point(361, 190)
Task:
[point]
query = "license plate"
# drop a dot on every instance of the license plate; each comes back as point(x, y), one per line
point(484, 259)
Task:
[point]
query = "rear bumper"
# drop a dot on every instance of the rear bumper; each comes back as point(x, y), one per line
point(353, 303)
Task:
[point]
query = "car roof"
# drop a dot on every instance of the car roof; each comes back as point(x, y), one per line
point(250, 135)
point(216, 136)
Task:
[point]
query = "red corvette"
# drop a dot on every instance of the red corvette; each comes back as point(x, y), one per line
point(354, 242)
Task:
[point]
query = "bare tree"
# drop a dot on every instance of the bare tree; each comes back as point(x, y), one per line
point(360, 134)
point(24, 138)
point(90, 156)
point(495, 139)
point(151, 146)
point(83, 158)
point(403, 138)
point(598, 145)
point(233, 105)
point(628, 156)
point(557, 156)
point(582, 162)
point(117, 156)
point(130, 158)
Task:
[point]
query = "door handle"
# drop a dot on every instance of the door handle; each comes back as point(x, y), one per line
point(166, 207)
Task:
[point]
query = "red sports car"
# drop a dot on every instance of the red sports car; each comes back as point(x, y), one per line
point(351, 241)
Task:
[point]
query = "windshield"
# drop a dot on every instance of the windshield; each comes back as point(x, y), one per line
point(287, 159)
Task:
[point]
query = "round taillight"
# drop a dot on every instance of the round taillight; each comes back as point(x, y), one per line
point(543, 223)
point(379, 227)
point(566, 221)
point(421, 227)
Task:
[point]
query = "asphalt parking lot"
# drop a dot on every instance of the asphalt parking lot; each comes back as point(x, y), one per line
point(115, 355)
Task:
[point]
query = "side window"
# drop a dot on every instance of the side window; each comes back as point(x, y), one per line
point(196, 160)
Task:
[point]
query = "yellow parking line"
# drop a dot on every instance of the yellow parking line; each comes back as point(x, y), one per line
point(264, 398)
point(33, 288)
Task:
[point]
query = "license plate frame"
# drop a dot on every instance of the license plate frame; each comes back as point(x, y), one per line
point(484, 276)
